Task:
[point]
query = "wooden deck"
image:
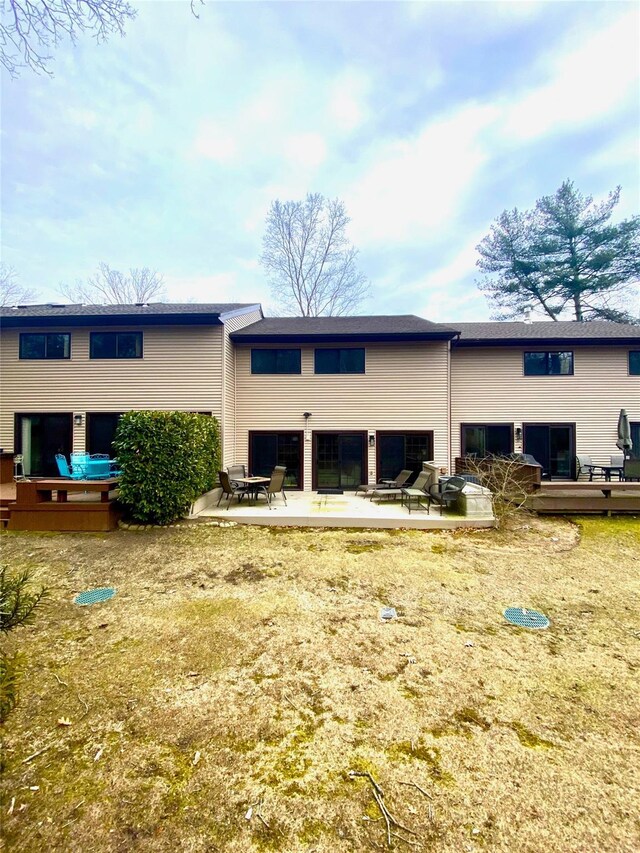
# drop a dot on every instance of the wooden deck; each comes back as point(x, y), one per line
point(60, 504)
point(600, 496)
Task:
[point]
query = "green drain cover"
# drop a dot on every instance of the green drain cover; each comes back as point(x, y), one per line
point(526, 618)
point(93, 596)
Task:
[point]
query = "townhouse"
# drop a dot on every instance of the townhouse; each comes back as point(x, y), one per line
point(338, 400)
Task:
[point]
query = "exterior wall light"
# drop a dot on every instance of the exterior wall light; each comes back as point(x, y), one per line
point(306, 415)
point(518, 434)
point(372, 439)
point(77, 419)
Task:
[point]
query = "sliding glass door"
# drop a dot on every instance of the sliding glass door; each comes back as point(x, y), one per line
point(553, 446)
point(339, 459)
point(400, 450)
point(268, 449)
point(39, 437)
point(101, 430)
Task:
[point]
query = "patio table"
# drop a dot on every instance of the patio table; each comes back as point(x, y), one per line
point(252, 483)
point(610, 469)
point(97, 469)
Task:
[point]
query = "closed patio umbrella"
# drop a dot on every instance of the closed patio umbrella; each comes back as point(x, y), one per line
point(624, 432)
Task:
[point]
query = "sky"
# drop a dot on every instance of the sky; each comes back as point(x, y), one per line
point(166, 148)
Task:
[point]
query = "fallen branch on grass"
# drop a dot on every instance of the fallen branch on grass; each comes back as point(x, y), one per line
point(389, 819)
point(413, 785)
point(36, 754)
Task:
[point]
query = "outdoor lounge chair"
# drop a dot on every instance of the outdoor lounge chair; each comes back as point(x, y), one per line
point(275, 486)
point(385, 492)
point(399, 481)
point(446, 493)
point(230, 490)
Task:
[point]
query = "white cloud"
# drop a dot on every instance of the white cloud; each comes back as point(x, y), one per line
point(347, 107)
point(214, 143)
point(416, 185)
point(585, 83)
point(219, 287)
point(305, 149)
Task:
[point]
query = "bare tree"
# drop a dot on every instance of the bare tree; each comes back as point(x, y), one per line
point(30, 29)
point(310, 263)
point(11, 291)
point(111, 287)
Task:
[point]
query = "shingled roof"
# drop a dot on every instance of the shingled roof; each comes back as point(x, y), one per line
point(400, 327)
point(562, 331)
point(152, 313)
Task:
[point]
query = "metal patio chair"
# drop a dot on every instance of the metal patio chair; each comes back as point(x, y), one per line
point(275, 486)
point(230, 490)
point(445, 494)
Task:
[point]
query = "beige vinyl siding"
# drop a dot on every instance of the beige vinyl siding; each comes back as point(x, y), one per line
point(229, 384)
point(404, 387)
point(181, 369)
point(488, 386)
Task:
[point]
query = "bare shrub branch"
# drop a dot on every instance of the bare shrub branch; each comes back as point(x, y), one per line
point(503, 477)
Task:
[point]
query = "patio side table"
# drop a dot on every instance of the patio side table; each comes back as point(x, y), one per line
point(416, 499)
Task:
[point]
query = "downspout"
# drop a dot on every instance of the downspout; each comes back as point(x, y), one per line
point(235, 408)
point(449, 406)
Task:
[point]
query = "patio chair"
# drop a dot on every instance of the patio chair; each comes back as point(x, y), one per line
point(631, 469)
point(446, 493)
point(63, 466)
point(236, 471)
point(79, 465)
point(399, 481)
point(275, 486)
point(18, 468)
point(230, 490)
point(584, 465)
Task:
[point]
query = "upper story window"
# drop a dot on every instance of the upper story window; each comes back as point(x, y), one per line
point(339, 361)
point(548, 364)
point(115, 345)
point(45, 345)
point(275, 361)
point(634, 362)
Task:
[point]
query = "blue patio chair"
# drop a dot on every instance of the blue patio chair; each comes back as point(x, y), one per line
point(79, 465)
point(63, 465)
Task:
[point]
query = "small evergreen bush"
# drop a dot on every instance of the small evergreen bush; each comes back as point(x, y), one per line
point(17, 604)
point(168, 459)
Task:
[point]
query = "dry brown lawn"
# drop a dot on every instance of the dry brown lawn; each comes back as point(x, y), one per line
point(219, 701)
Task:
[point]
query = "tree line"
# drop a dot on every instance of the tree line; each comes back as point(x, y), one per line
point(563, 257)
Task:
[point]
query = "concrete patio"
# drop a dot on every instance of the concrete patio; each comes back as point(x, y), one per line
point(308, 509)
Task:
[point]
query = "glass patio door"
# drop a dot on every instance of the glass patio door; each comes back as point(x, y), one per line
point(339, 460)
point(553, 445)
point(39, 437)
point(101, 430)
point(268, 449)
point(403, 450)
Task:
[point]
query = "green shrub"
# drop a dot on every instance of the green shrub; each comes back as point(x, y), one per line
point(17, 603)
point(168, 459)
